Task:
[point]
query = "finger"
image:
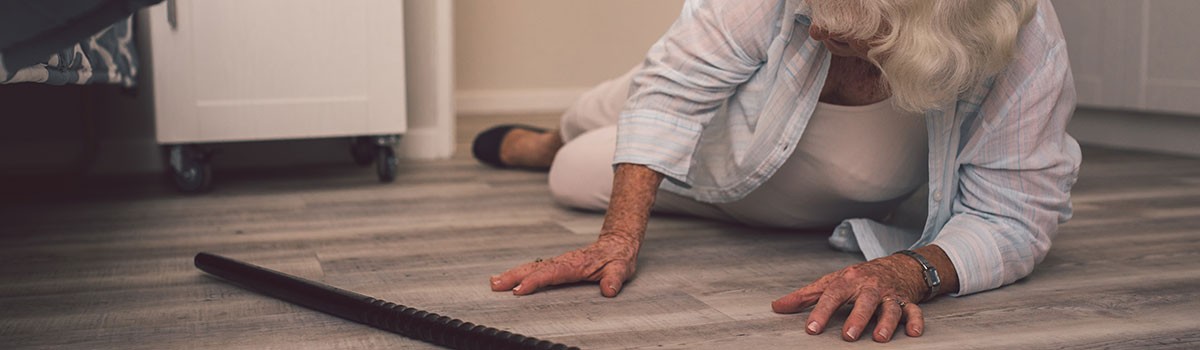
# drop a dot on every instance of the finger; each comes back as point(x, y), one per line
point(547, 275)
point(513, 277)
point(865, 304)
point(889, 317)
point(915, 320)
point(801, 298)
point(613, 278)
point(833, 298)
point(798, 300)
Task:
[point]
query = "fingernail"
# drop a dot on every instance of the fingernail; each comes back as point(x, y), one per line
point(884, 333)
point(495, 281)
point(517, 289)
point(853, 333)
point(814, 327)
point(918, 330)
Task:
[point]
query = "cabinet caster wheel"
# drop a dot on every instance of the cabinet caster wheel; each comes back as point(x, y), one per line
point(190, 169)
point(386, 164)
point(364, 150)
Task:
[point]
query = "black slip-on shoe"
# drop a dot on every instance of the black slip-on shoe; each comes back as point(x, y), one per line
point(486, 146)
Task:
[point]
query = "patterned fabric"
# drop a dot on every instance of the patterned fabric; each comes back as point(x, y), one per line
point(727, 92)
point(105, 58)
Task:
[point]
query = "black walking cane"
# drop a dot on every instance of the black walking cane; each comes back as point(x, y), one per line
point(400, 319)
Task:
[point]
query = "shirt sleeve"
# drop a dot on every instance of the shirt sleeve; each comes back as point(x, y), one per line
point(714, 46)
point(1016, 174)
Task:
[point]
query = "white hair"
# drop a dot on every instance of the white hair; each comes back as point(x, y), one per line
point(930, 51)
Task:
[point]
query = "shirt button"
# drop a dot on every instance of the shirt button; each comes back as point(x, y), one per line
point(937, 195)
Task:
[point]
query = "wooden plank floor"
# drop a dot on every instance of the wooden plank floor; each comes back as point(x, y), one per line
point(111, 267)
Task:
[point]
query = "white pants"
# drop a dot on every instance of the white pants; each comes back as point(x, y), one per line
point(799, 195)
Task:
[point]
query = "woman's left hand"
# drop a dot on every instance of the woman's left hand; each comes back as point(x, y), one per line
point(888, 287)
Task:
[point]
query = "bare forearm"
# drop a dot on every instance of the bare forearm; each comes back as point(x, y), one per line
point(634, 189)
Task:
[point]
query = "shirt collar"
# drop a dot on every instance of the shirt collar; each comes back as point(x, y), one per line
point(802, 12)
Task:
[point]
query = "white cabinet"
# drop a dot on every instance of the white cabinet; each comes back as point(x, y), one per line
point(239, 70)
point(1134, 54)
point(250, 70)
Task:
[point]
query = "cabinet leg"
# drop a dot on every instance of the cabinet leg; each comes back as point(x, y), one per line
point(386, 163)
point(364, 150)
point(190, 168)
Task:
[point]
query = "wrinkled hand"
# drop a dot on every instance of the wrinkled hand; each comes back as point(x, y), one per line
point(887, 286)
point(610, 261)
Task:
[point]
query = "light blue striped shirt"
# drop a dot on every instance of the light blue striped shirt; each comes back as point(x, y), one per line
point(727, 92)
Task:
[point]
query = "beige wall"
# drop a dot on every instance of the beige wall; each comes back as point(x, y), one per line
point(1135, 72)
point(1137, 55)
point(520, 48)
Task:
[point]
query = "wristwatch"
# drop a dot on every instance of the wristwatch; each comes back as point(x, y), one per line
point(932, 280)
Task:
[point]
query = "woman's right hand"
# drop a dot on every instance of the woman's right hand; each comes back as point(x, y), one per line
point(611, 260)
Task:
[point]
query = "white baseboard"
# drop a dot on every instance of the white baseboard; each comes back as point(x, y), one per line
point(475, 102)
point(1137, 130)
point(426, 143)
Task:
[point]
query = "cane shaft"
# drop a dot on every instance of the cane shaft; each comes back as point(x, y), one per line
point(400, 319)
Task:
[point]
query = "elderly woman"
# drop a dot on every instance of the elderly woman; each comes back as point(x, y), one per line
point(826, 113)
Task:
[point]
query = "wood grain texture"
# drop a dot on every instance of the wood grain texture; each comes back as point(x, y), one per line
point(110, 267)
